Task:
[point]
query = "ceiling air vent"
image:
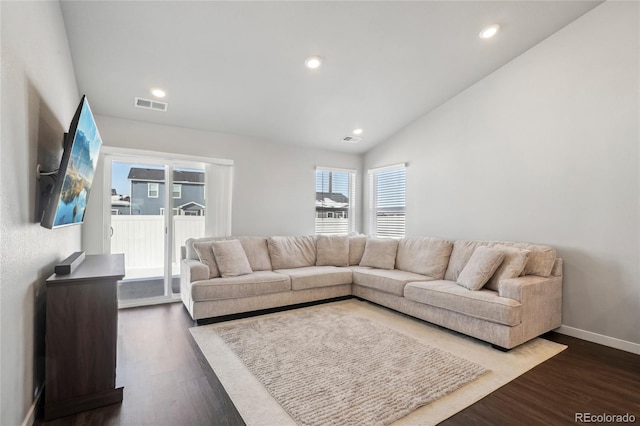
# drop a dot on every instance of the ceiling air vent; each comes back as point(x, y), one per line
point(150, 104)
point(351, 139)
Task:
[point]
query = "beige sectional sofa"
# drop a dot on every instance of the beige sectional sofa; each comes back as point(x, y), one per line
point(504, 293)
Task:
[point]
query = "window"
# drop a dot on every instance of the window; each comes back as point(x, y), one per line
point(177, 190)
point(153, 190)
point(387, 201)
point(335, 201)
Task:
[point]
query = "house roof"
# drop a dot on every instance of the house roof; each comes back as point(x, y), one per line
point(333, 196)
point(191, 205)
point(156, 175)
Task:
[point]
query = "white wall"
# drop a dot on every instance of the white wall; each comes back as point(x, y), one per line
point(544, 150)
point(39, 98)
point(273, 184)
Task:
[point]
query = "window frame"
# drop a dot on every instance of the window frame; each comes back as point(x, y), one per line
point(173, 192)
point(374, 210)
point(149, 190)
point(352, 196)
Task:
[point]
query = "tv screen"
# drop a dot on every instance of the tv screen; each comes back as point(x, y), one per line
point(68, 200)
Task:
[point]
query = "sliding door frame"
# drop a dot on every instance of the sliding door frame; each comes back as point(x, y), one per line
point(169, 161)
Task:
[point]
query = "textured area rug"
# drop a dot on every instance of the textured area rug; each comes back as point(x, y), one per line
point(330, 367)
point(355, 363)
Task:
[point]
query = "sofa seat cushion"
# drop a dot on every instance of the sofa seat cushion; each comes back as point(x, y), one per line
point(390, 281)
point(483, 304)
point(317, 276)
point(254, 284)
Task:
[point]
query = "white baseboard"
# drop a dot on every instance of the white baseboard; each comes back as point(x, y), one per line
point(30, 418)
point(599, 338)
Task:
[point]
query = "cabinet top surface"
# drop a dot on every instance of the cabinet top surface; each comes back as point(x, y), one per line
point(99, 266)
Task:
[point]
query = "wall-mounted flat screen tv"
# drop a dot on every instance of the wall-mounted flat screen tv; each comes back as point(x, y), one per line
point(68, 201)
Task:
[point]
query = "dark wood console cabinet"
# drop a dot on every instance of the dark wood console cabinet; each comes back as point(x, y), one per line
point(81, 337)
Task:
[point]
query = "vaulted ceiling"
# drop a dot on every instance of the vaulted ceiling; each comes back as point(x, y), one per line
point(238, 67)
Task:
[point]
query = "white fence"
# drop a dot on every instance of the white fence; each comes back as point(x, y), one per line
point(141, 238)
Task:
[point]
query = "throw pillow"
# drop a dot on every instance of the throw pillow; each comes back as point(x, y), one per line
point(231, 258)
point(205, 254)
point(483, 263)
point(512, 266)
point(332, 250)
point(380, 253)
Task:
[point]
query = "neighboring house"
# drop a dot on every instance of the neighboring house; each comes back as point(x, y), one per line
point(147, 192)
point(332, 205)
point(120, 204)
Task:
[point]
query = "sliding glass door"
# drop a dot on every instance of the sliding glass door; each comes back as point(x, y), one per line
point(155, 205)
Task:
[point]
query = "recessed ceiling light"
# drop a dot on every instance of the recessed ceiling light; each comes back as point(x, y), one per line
point(158, 93)
point(313, 62)
point(489, 31)
point(357, 131)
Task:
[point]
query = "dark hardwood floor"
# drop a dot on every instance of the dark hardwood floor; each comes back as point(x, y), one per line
point(167, 381)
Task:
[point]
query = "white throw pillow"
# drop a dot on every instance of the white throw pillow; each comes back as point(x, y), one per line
point(380, 253)
point(205, 254)
point(231, 258)
point(512, 266)
point(483, 263)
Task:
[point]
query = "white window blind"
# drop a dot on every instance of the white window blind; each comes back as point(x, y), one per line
point(387, 201)
point(335, 201)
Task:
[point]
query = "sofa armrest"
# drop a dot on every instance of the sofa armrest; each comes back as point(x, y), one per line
point(541, 299)
point(517, 288)
point(193, 270)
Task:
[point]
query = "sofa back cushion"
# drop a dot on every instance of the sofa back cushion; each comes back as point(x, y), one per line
point(540, 261)
point(356, 248)
point(333, 250)
point(380, 253)
point(292, 252)
point(424, 255)
point(257, 252)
